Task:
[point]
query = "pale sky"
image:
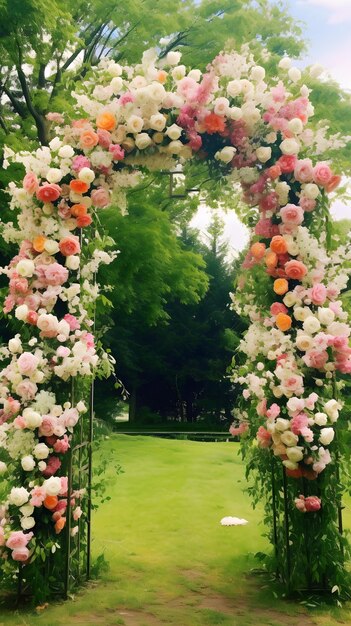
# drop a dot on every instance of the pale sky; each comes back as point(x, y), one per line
point(327, 31)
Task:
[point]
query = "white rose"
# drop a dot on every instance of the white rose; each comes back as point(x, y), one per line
point(15, 345)
point(63, 328)
point(55, 143)
point(301, 313)
point(72, 262)
point(277, 391)
point(42, 466)
point(173, 57)
point(54, 175)
point(178, 72)
point(284, 63)
point(226, 154)
point(27, 522)
point(27, 510)
point(293, 404)
point(311, 325)
point(289, 439)
point(116, 84)
point(66, 152)
point(339, 329)
point(114, 69)
point(250, 113)
point(258, 73)
point(235, 113)
point(234, 88)
point(295, 125)
point(293, 248)
point(143, 141)
point(282, 424)
point(321, 419)
point(81, 407)
point(157, 122)
point(264, 154)
point(310, 190)
point(135, 124)
point(32, 418)
point(332, 408)
point(295, 453)
point(326, 436)
point(25, 268)
point(52, 486)
point(86, 175)
point(18, 496)
point(51, 246)
point(294, 74)
point(21, 312)
point(195, 75)
point(3, 467)
point(221, 106)
point(289, 146)
point(28, 463)
point(247, 87)
point(175, 147)
point(174, 132)
point(289, 299)
point(41, 451)
point(290, 465)
point(326, 316)
point(304, 342)
point(282, 189)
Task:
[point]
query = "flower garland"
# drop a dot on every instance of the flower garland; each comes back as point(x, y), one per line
point(149, 116)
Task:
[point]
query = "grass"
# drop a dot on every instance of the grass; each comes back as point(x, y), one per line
point(170, 560)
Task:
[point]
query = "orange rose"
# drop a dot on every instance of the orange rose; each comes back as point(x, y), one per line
point(283, 321)
point(278, 245)
point(274, 172)
point(69, 245)
point(60, 524)
point(50, 502)
point(78, 210)
point(83, 220)
point(333, 183)
point(271, 260)
point(106, 121)
point(79, 186)
point(295, 269)
point(258, 250)
point(39, 243)
point(281, 286)
point(89, 139)
point(214, 123)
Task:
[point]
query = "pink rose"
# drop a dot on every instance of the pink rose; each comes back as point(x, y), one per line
point(263, 437)
point(292, 214)
point(298, 423)
point(19, 422)
point(56, 274)
point(63, 351)
point(64, 210)
point(27, 390)
point(62, 445)
point(278, 307)
point(48, 325)
point(18, 539)
point(53, 465)
point(316, 359)
point(21, 554)
point(38, 496)
point(312, 503)
point(69, 245)
point(30, 183)
point(64, 485)
point(77, 513)
point(295, 270)
point(303, 171)
point(262, 408)
point(307, 204)
point(72, 321)
point(300, 504)
point(273, 411)
point(117, 152)
point(318, 294)
point(239, 430)
point(19, 284)
point(322, 174)
point(105, 138)
point(80, 161)
point(27, 363)
point(53, 116)
point(100, 197)
point(49, 192)
point(47, 426)
point(70, 417)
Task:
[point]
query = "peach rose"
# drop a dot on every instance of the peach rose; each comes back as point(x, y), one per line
point(39, 243)
point(333, 183)
point(322, 174)
point(83, 221)
point(30, 183)
point(48, 192)
point(100, 197)
point(295, 269)
point(89, 139)
point(69, 245)
point(278, 245)
point(106, 121)
point(258, 250)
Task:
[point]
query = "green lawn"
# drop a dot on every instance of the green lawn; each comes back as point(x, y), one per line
point(170, 560)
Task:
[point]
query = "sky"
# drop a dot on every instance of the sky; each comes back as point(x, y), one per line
point(327, 30)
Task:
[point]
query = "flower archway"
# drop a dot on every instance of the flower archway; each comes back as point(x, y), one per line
point(296, 348)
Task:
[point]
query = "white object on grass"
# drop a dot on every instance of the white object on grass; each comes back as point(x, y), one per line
point(233, 521)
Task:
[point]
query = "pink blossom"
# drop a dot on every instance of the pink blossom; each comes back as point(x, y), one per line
point(336, 308)
point(18, 539)
point(292, 214)
point(72, 321)
point(262, 408)
point(70, 417)
point(77, 513)
point(100, 197)
point(30, 183)
point(273, 411)
point(62, 445)
point(307, 204)
point(322, 174)
point(264, 228)
point(9, 303)
point(20, 554)
point(19, 422)
point(80, 161)
point(278, 307)
point(239, 430)
point(311, 400)
point(88, 338)
point(27, 363)
point(300, 504)
point(53, 116)
point(318, 294)
point(126, 98)
point(47, 426)
point(53, 465)
point(263, 437)
point(49, 192)
point(316, 358)
point(105, 138)
point(64, 485)
point(56, 274)
point(303, 171)
point(62, 351)
point(19, 284)
point(312, 503)
point(38, 496)
point(298, 422)
point(27, 390)
point(117, 152)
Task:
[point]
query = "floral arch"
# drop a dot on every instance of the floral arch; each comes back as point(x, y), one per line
point(296, 350)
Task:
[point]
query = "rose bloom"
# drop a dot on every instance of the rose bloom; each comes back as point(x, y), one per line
point(20, 554)
point(263, 437)
point(322, 174)
point(78, 186)
point(312, 503)
point(72, 321)
point(30, 183)
point(18, 539)
point(56, 274)
point(61, 445)
point(100, 197)
point(280, 286)
point(27, 363)
point(283, 322)
point(214, 123)
point(287, 163)
point(49, 192)
point(105, 138)
point(88, 139)
point(83, 221)
point(292, 214)
point(307, 204)
point(258, 250)
point(303, 171)
point(106, 121)
point(27, 390)
point(318, 294)
point(79, 162)
point(316, 358)
point(48, 325)
point(69, 245)
point(295, 269)
point(278, 307)
point(278, 245)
